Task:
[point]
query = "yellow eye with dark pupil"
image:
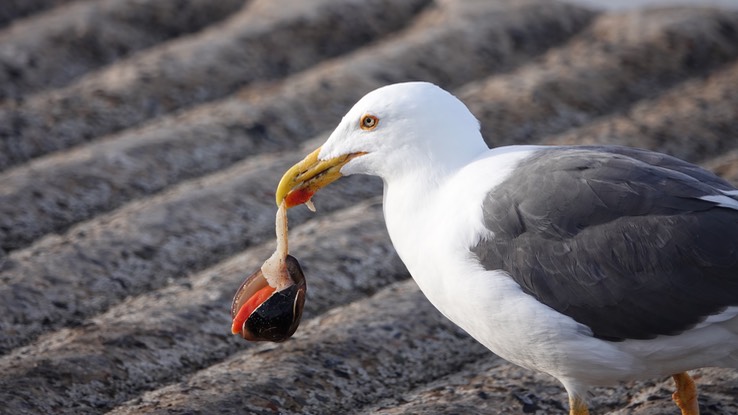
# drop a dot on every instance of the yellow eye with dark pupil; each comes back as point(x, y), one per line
point(368, 122)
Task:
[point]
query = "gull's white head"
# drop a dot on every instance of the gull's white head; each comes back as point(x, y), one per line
point(405, 127)
point(413, 127)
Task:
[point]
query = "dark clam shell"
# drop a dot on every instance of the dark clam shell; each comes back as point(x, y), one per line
point(277, 318)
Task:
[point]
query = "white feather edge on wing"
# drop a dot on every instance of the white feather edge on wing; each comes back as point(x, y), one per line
point(722, 201)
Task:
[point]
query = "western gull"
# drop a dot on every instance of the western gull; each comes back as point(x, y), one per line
point(594, 264)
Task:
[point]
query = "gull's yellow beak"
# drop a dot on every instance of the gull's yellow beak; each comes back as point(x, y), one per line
point(306, 177)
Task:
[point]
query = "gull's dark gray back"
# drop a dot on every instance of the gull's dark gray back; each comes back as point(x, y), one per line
point(620, 239)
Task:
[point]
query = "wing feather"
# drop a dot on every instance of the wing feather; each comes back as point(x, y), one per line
point(625, 241)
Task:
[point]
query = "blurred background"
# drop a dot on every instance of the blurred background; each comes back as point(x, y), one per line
point(141, 142)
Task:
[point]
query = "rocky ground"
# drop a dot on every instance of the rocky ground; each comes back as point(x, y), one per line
point(141, 142)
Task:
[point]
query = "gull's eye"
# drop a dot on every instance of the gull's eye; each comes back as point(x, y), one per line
point(368, 122)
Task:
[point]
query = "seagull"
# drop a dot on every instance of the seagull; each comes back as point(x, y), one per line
point(593, 264)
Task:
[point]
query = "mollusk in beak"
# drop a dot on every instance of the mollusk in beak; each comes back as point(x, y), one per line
point(260, 313)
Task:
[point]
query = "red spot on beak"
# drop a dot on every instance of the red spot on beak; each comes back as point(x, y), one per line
point(298, 197)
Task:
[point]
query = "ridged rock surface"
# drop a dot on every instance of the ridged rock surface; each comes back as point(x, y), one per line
point(141, 142)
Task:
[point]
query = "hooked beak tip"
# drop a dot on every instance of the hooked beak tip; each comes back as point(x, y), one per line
point(302, 180)
point(293, 178)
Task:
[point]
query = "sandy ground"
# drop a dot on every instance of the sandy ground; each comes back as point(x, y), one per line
point(141, 142)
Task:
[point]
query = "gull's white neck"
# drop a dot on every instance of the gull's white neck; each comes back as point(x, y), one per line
point(414, 199)
point(433, 221)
